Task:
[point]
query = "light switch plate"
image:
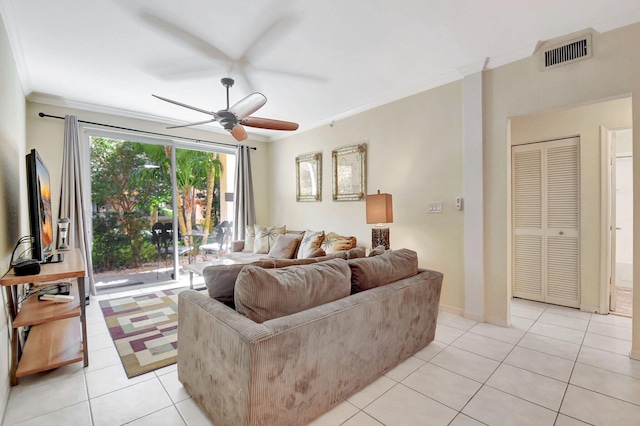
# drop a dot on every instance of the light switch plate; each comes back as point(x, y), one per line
point(459, 203)
point(435, 207)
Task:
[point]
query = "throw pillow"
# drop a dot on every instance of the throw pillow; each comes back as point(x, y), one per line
point(316, 253)
point(371, 272)
point(249, 238)
point(285, 246)
point(264, 294)
point(265, 237)
point(377, 251)
point(311, 241)
point(333, 242)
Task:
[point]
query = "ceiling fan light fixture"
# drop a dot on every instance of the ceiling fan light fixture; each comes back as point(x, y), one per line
point(232, 117)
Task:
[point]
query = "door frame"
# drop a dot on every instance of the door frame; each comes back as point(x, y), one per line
point(608, 220)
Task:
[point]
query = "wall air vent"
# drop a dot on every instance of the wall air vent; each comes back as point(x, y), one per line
point(567, 52)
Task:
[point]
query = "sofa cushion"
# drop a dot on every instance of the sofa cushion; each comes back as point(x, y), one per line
point(249, 238)
point(353, 253)
point(371, 272)
point(377, 251)
point(285, 246)
point(333, 242)
point(311, 241)
point(266, 237)
point(221, 279)
point(264, 294)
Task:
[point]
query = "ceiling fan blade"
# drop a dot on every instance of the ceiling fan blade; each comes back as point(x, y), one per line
point(239, 132)
point(192, 124)
point(268, 123)
point(247, 106)
point(185, 37)
point(217, 117)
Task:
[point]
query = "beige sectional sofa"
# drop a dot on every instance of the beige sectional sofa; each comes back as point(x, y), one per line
point(278, 242)
point(288, 370)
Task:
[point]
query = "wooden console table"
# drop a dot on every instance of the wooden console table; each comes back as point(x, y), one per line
point(54, 339)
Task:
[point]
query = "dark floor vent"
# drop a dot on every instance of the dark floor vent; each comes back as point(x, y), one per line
point(568, 52)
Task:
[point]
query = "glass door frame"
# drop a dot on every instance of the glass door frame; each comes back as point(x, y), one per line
point(87, 131)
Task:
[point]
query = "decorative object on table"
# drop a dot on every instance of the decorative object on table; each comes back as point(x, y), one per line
point(144, 329)
point(349, 174)
point(309, 177)
point(63, 230)
point(234, 117)
point(379, 211)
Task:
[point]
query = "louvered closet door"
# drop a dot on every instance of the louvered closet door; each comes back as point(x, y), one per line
point(546, 255)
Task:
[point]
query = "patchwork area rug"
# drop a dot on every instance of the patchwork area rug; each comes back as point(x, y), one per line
point(144, 329)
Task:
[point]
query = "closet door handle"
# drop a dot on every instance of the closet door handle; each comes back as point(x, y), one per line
point(561, 232)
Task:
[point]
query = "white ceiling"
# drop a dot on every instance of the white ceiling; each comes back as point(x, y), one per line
point(316, 61)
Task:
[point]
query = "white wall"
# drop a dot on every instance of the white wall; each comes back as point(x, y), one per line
point(414, 152)
point(13, 214)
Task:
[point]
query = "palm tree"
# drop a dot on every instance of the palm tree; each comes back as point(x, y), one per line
point(195, 171)
point(215, 169)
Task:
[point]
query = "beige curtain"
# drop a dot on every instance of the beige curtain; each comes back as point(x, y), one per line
point(72, 202)
point(244, 207)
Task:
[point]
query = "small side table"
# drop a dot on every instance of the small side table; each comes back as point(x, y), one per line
point(55, 338)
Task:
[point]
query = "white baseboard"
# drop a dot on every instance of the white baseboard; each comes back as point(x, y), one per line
point(591, 309)
point(451, 309)
point(459, 311)
point(497, 321)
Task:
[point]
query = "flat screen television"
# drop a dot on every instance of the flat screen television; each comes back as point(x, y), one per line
point(40, 214)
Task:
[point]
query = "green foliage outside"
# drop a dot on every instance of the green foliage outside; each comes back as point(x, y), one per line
point(131, 184)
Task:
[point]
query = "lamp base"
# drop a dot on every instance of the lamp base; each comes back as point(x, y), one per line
point(380, 237)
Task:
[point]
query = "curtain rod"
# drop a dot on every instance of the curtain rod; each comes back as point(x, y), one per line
point(42, 114)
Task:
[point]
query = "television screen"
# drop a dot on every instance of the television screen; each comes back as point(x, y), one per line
point(40, 214)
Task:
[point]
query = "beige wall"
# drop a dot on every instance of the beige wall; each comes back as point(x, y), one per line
point(585, 122)
point(521, 88)
point(414, 152)
point(13, 214)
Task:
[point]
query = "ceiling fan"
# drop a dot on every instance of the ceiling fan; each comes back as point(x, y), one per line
point(238, 115)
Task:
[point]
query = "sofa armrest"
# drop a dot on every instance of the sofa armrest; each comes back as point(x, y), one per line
point(215, 355)
point(237, 245)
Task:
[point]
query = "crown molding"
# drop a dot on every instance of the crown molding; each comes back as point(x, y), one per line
point(472, 68)
point(120, 112)
point(7, 15)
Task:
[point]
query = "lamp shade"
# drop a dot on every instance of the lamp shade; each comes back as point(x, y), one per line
point(379, 208)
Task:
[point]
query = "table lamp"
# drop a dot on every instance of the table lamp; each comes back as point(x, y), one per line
point(379, 211)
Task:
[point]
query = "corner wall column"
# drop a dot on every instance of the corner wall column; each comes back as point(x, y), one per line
point(473, 196)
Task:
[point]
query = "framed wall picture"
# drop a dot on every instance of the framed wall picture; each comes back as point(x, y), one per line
point(349, 174)
point(309, 177)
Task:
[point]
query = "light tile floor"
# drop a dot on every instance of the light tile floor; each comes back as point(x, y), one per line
point(555, 365)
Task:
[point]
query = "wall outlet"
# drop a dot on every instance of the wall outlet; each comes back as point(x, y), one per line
point(459, 203)
point(435, 207)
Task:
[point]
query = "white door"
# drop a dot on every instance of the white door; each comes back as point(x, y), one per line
point(546, 249)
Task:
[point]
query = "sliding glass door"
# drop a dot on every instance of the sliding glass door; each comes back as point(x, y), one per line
point(153, 206)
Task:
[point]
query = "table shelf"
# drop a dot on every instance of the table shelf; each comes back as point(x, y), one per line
point(58, 331)
point(51, 345)
point(34, 311)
